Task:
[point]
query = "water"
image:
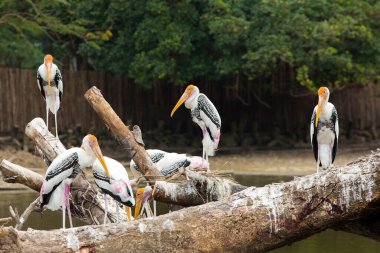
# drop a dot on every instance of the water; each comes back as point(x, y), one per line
point(326, 242)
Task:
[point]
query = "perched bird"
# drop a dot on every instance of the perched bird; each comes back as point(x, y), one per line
point(49, 80)
point(64, 169)
point(204, 113)
point(324, 130)
point(169, 163)
point(143, 195)
point(117, 185)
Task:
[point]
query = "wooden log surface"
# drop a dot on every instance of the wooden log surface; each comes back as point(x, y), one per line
point(253, 220)
point(86, 203)
point(122, 134)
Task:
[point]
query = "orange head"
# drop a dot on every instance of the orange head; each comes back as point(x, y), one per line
point(188, 92)
point(323, 94)
point(48, 61)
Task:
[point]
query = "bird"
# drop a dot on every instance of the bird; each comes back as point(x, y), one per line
point(170, 163)
point(117, 185)
point(324, 130)
point(49, 80)
point(143, 195)
point(65, 168)
point(205, 115)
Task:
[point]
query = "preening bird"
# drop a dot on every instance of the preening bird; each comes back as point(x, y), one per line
point(64, 169)
point(204, 113)
point(169, 163)
point(324, 130)
point(117, 185)
point(143, 195)
point(49, 80)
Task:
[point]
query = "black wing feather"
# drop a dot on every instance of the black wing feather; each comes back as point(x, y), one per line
point(334, 120)
point(57, 78)
point(314, 142)
point(40, 83)
point(207, 108)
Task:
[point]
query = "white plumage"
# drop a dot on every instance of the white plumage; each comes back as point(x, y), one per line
point(49, 80)
point(65, 168)
point(117, 185)
point(324, 130)
point(205, 115)
point(169, 163)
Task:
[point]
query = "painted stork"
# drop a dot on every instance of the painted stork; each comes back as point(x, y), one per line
point(169, 163)
point(143, 195)
point(64, 169)
point(204, 113)
point(49, 80)
point(324, 130)
point(117, 185)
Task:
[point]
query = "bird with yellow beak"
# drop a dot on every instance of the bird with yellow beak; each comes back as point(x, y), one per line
point(324, 130)
point(143, 195)
point(64, 169)
point(49, 80)
point(205, 115)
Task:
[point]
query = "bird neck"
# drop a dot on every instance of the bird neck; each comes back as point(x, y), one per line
point(191, 102)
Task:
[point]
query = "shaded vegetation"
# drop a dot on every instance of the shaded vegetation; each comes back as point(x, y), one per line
point(290, 44)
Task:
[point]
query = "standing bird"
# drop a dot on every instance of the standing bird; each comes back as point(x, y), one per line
point(64, 169)
point(204, 113)
point(117, 185)
point(170, 163)
point(49, 80)
point(324, 130)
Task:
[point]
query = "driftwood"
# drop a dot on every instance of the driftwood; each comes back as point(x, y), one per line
point(253, 220)
point(130, 141)
point(86, 204)
point(199, 189)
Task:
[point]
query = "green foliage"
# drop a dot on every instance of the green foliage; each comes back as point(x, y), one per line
point(326, 42)
point(29, 27)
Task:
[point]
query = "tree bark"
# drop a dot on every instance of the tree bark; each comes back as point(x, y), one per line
point(122, 134)
point(253, 220)
point(13, 173)
point(198, 190)
point(86, 203)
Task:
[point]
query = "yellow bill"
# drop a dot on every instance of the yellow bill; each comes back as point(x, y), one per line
point(184, 97)
point(128, 212)
point(139, 198)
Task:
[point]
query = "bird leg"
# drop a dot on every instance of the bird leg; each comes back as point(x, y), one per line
point(67, 195)
point(47, 117)
point(56, 129)
point(155, 206)
point(117, 212)
point(105, 209)
point(64, 209)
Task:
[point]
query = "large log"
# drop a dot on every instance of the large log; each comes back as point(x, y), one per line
point(86, 203)
point(253, 220)
point(199, 190)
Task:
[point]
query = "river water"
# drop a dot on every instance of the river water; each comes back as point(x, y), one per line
point(327, 241)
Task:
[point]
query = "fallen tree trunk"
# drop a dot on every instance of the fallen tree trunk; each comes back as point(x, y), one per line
point(253, 220)
point(199, 189)
point(86, 203)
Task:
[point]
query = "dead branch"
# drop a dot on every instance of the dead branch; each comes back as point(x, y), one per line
point(253, 220)
point(131, 142)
